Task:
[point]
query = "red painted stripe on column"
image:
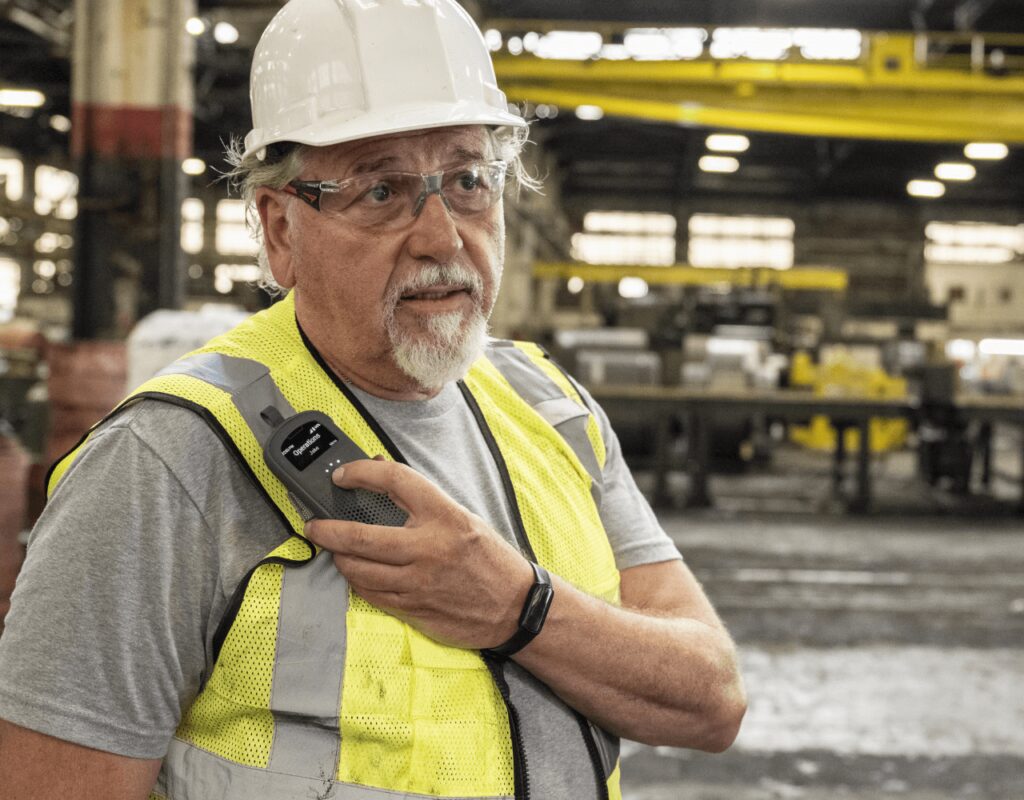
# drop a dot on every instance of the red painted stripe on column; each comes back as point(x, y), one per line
point(131, 131)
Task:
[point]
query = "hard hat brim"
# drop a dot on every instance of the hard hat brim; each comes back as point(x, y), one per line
point(326, 131)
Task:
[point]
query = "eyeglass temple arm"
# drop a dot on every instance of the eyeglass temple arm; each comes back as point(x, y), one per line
point(307, 192)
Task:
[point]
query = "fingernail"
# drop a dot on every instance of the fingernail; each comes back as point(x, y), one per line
point(337, 474)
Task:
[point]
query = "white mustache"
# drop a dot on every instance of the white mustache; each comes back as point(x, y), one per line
point(439, 275)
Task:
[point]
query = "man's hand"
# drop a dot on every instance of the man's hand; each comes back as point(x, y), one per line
point(445, 572)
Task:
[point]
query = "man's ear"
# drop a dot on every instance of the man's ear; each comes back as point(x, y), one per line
point(277, 239)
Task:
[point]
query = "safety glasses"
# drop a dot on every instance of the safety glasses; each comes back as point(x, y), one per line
point(385, 199)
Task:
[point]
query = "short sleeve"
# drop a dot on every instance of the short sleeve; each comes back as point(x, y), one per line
point(104, 642)
point(635, 534)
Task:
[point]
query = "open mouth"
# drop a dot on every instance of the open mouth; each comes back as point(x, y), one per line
point(436, 293)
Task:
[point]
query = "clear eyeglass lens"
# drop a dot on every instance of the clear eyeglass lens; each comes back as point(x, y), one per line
point(389, 197)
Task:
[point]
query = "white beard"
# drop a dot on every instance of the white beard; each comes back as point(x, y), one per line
point(450, 343)
point(455, 344)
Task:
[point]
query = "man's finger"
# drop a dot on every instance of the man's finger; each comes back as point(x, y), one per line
point(380, 543)
point(404, 485)
point(373, 575)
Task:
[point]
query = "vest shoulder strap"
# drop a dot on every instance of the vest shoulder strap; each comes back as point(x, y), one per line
point(547, 388)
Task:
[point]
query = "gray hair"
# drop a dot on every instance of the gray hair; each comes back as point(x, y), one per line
point(248, 173)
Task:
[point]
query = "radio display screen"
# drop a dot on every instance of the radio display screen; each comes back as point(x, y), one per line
point(307, 443)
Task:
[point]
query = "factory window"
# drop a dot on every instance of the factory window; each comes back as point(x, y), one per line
point(662, 44)
point(563, 45)
point(225, 276)
point(56, 192)
point(51, 242)
point(776, 44)
point(12, 176)
point(1005, 295)
point(233, 237)
point(10, 288)
point(192, 212)
point(747, 241)
point(620, 237)
point(972, 243)
point(956, 294)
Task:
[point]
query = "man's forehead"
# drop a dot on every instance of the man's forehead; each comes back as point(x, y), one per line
point(409, 150)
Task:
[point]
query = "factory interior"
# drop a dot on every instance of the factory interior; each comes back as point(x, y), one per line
point(781, 242)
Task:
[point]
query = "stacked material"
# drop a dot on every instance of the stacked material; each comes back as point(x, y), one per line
point(87, 379)
point(14, 467)
point(161, 337)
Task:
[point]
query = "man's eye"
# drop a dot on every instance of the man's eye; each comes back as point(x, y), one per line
point(379, 193)
point(469, 181)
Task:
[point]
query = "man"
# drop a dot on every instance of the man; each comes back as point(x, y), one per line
point(177, 630)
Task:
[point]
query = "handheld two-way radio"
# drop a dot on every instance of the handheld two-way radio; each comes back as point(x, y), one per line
point(303, 451)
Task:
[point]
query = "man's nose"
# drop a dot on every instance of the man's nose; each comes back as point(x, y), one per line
point(434, 233)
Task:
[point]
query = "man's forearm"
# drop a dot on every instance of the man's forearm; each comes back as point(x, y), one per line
point(654, 677)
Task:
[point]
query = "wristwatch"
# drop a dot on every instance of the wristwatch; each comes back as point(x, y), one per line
point(531, 620)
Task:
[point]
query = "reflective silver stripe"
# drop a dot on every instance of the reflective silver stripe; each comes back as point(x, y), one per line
point(198, 775)
point(309, 665)
point(309, 661)
point(247, 381)
point(567, 416)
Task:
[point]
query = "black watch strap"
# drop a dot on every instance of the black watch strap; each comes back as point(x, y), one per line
point(531, 619)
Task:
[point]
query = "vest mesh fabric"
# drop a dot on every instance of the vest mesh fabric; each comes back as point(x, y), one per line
point(545, 364)
point(231, 717)
point(552, 488)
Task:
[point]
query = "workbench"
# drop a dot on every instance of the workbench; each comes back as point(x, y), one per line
point(699, 409)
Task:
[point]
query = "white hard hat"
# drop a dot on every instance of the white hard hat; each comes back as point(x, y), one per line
point(329, 71)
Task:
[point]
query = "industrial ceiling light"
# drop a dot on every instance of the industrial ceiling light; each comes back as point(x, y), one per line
point(21, 98)
point(632, 288)
point(949, 171)
point(225, 33)
point(986, 151)
point(718, 164)
point(193, 166)
point(494, 39)
point(961, 349)
point(589, 113)
point(921, 188)
point(727, 143)
point(194, 26)
point(60, 123)
point(1001, 347)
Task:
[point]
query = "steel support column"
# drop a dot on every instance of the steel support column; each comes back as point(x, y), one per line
point(132, 109)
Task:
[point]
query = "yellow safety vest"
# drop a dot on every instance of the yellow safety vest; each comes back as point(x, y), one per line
point(316, 693)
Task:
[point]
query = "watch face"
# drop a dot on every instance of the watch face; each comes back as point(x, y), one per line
point(536, 609)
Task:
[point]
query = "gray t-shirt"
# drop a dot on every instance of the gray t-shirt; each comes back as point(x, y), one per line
point(132, 563)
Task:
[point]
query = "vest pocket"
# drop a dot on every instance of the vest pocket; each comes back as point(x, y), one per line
point(418, 716)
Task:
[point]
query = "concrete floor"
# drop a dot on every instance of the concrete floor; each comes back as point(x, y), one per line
point(883, 654)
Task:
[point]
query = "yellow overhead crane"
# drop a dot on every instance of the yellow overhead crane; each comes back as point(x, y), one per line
point(795, 279)
point(915, 87)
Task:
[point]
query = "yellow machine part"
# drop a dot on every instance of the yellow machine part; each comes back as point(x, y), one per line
point(845, 378)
